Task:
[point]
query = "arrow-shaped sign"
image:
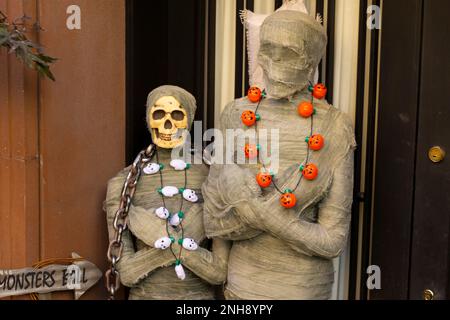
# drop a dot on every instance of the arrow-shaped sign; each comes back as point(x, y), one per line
point(79, 276)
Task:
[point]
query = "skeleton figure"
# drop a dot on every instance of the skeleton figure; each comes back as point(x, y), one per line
point(147, 265)
point(281, 253)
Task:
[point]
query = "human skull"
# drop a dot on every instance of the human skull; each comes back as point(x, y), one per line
point(291, 46)
point(190, 244)
point(179, 270)
point(190, 195)
point(168, 122)
point(162, 213)
point(175, 220)
point(152, 168)
point(163, 243)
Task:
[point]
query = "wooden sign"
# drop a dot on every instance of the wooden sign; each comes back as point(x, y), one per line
point(79, 277)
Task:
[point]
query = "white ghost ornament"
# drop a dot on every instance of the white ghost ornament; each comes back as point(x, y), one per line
point(190, 244)
point(163, 243)
point(179, 165)
point(190, 195)
point(169, 191)
point(151, 168)
point(162, 213)
point(179, 270)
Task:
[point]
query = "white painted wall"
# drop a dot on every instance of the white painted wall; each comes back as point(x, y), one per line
point(226, 16)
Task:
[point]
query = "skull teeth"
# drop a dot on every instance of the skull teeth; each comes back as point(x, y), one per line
point(165, 137)
point(172, 139)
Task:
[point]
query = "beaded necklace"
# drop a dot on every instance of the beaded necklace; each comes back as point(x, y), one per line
point(180, 212)
point(173, 220)
point(315, 142)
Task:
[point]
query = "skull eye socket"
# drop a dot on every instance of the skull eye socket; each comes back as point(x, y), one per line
point(177, 115)
point(158, 114)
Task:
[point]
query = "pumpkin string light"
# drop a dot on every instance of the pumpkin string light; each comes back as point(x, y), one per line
point(315, 142)
point(255, 95)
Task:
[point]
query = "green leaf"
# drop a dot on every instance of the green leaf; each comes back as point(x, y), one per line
point(37, 59)
point(3, 40)
point(25, 55)
point(13, 38)
point(47, 59)
point(3, 31)
point(45, 71)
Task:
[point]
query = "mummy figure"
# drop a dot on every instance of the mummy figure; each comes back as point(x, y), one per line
point(151, 263)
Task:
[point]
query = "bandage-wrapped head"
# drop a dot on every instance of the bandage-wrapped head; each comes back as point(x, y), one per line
point(292, 45)
point(170, 113)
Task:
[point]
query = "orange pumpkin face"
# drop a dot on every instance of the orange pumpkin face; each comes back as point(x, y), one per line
point(251, 151)
point(264, 179)
point(248, 118)
point(305, 109)
point(316, 142)
point(254, 94)
point(288, 200)
point(319, 91)
point(310, 172)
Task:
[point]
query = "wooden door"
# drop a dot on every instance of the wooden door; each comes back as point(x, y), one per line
point(411, 219)
point(430, 248)
point(61, 141)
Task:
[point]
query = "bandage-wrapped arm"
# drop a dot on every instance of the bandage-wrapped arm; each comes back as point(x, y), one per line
point(133, 266)
point(211, 266)
point(220, 218)
point(328, 236)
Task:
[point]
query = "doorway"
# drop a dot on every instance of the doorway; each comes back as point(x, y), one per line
point(168, 42)
point(411, 213)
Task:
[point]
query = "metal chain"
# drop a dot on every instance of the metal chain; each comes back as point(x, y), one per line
point(120, 223)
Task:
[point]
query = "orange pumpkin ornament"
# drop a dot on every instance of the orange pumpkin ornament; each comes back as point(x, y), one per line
point(249, 118)
point(251, 151)
point(310, 171)
point(254, 94)
point(288, 200)
point(264, 179)
point(316, 142)
point(319, 91)
point(305, 109)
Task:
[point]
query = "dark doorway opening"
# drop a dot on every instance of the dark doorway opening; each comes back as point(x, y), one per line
point(168, 42)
